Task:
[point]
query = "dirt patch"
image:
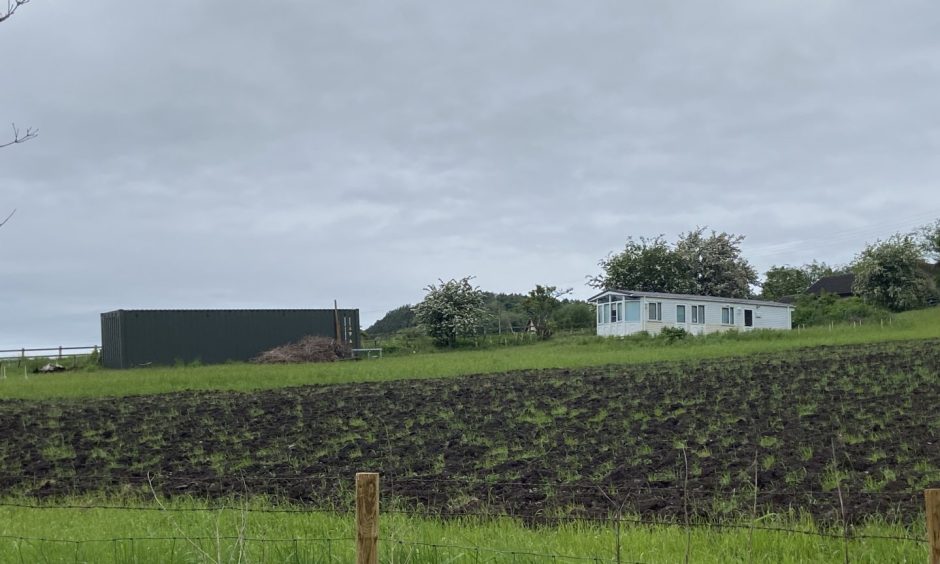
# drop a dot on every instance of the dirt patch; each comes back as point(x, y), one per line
point(308, 349)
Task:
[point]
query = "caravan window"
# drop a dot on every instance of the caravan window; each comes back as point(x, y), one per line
point(727, 315)
point(633, 312)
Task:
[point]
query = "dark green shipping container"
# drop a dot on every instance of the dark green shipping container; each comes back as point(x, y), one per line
point(132, 337)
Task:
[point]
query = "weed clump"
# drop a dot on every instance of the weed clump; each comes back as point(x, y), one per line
point(673, 334)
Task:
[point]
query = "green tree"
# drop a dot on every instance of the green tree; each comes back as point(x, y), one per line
point(816, 270)
point(504, 313)
point(930, 240)
point(648, 265)
point(540, 304)
point(708, 265)
point(891, 274)
point(930, 243)
point(574, 314)
point(782, 281)
point(715, 264)
point(450, 310)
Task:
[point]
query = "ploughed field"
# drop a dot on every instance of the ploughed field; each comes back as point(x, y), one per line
point(835, 432)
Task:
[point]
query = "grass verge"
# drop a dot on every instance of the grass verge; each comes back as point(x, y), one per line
point(187, 530)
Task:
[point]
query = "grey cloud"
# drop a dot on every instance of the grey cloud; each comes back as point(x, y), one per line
point(215, 154)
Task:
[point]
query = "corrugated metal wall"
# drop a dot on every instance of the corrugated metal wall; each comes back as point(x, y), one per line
point(111, 340)
point(132, 338)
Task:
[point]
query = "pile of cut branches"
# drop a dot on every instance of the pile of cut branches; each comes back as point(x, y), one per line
point(308, 349)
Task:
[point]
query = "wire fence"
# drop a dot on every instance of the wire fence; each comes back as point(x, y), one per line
point(851, 532)
point(404, 541)
point(60, 352)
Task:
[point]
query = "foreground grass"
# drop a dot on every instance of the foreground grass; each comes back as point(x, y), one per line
point(562, 353)
point(190, 531)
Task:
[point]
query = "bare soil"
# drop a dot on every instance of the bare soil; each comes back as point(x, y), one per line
point(805, 427)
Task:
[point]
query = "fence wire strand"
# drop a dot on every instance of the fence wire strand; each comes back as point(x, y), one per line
point(482, 515)
point(182, 538)
point(633, 484)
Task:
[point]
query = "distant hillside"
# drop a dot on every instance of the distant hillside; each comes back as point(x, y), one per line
point(395, 320)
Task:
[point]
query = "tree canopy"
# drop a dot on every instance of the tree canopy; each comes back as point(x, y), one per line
point(709, 265)
point(450, 310)
point(574, 314)
point(930, 240)
point(541, 305)
point(782, 281)
point(892, 274)
point(817, 269)
point(715, 264)
point(648, 265)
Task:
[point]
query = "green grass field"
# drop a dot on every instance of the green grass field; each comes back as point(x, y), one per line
point(572, 352)
point(185, 531)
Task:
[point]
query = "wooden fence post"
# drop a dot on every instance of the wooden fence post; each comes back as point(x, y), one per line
point(932, 505)
point(367, 518)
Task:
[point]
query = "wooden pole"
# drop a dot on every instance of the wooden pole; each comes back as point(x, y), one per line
point(932, 505)
point(367, 518)
point(336, 319)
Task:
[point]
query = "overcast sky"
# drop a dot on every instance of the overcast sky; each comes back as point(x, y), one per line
point(220, 154)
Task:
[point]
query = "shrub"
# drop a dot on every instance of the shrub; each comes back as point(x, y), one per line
point(893, 275)
point(673, 334)
point(575, 315)
point(828, 308)
point(454, 308)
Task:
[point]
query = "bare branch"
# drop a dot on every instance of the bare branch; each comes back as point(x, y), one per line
point(12, 5)
point(20, 138)
point(2, 223)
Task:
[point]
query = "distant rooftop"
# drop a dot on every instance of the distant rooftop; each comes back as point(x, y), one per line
point(840, 285)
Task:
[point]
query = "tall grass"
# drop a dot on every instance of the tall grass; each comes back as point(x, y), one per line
point(571, 352)
point(188, 531)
